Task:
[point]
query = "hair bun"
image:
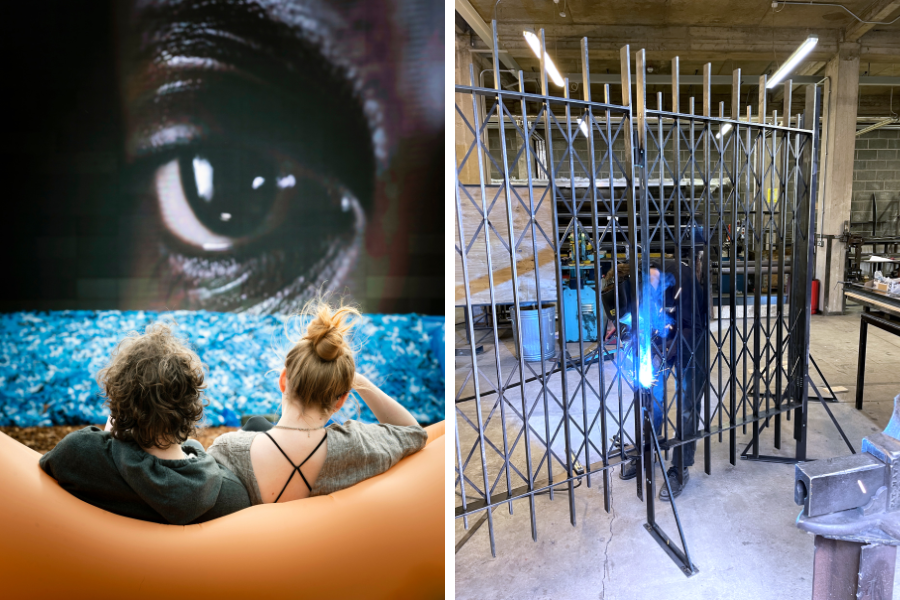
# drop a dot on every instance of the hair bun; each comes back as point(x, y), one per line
point(326, 333)
point(329, 345)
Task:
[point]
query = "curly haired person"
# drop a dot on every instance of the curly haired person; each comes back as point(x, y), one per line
point(143, 466)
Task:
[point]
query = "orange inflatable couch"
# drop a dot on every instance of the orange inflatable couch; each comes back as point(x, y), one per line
point(382, 538)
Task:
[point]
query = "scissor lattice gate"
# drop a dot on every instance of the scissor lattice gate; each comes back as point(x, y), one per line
point(554, 197)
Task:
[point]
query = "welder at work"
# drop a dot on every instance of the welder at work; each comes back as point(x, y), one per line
point(672, 339)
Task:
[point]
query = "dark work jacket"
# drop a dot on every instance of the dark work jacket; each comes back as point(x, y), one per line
point(122, 478)
point(691, 289)
point(694, 309)
point(694, 314)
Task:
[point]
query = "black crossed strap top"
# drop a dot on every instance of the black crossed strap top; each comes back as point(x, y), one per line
point(296, 467)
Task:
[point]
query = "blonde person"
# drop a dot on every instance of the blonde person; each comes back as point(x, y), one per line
point(300, 457)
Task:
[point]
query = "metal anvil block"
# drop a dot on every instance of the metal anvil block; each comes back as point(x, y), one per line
point(835, 484)
point(857, 497)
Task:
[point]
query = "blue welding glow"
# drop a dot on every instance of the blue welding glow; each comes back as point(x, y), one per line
point(653, 320)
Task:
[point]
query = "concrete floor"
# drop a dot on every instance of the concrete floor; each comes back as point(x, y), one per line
point(739, 522)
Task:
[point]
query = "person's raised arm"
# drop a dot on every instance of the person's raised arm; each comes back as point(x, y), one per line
point(386, 409)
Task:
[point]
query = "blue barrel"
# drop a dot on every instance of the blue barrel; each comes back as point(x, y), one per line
point(532, 320)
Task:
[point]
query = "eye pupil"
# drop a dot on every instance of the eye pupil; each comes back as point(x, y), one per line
point(231, 190)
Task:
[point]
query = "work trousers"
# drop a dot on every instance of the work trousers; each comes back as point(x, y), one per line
point(693, 375)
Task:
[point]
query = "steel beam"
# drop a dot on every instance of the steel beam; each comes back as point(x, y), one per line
point(481, 29)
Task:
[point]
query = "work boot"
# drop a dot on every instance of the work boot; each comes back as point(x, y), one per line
point(672, 476)
point(628, 470)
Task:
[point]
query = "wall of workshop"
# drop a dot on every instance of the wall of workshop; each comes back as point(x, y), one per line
point(876, 171)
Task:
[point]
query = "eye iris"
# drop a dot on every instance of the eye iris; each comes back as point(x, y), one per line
point(230, 190)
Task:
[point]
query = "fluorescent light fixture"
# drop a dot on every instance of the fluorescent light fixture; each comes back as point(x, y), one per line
point(535, 44)
point(877, 125)
point(583, 126)
point(725, 129)
point(794, 60)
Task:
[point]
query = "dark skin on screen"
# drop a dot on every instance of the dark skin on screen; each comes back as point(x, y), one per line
point(225, 155)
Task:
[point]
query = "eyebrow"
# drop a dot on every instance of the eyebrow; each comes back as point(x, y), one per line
point(228, 31)
point(172, 42)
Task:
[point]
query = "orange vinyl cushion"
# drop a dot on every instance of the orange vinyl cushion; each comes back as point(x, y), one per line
point(382, 538)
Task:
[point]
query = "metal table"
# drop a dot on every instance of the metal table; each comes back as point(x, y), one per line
point(879, 309)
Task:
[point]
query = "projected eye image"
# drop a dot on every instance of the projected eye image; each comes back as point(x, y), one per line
point(250, 144)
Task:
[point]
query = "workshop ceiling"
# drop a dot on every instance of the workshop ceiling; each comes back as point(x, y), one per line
point(727, 13)
point(746, 34)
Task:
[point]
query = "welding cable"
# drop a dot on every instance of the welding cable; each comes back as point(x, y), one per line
point(577, 485)
point(590, 357)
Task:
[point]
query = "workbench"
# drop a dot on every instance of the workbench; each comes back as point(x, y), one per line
point(879, 309)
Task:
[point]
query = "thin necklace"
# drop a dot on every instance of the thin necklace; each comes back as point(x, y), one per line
point(306, 429)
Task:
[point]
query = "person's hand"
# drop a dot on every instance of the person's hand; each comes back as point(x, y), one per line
point(360, 381)
point(610, 329)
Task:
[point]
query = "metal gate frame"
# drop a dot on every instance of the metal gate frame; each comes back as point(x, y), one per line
point(771, 173)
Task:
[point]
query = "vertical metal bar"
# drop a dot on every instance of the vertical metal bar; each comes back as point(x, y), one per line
point(794, 311)
point(631, 204)
point(614, 224)
point(579, 312)
point(537, 280)
point(720, 406)
point(471, 325)
point(769, 215)
point(551, 181)
point(758, 240)
point(703, 367)
point(676, 85)
point(561, 323)
point(642, 215)
point(598, 306)
point(801, 268)
point(661, 199)
point(678, 454)
point(748, 190)
point(732, 317)
point(782, 226)
point(459, 460)
point(692, 350)
point(861, 362)
point(501, 397)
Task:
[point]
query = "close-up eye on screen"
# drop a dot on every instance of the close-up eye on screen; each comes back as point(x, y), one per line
point(236, 156)
point(248, 143)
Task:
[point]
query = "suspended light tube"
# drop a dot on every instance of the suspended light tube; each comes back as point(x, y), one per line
point(725, 129)
point(794, 60)
point(583, 126)
point(535, 44)
point(877, 125)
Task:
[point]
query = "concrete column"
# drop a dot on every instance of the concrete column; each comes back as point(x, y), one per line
point(463, 135)
point(836, 184)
